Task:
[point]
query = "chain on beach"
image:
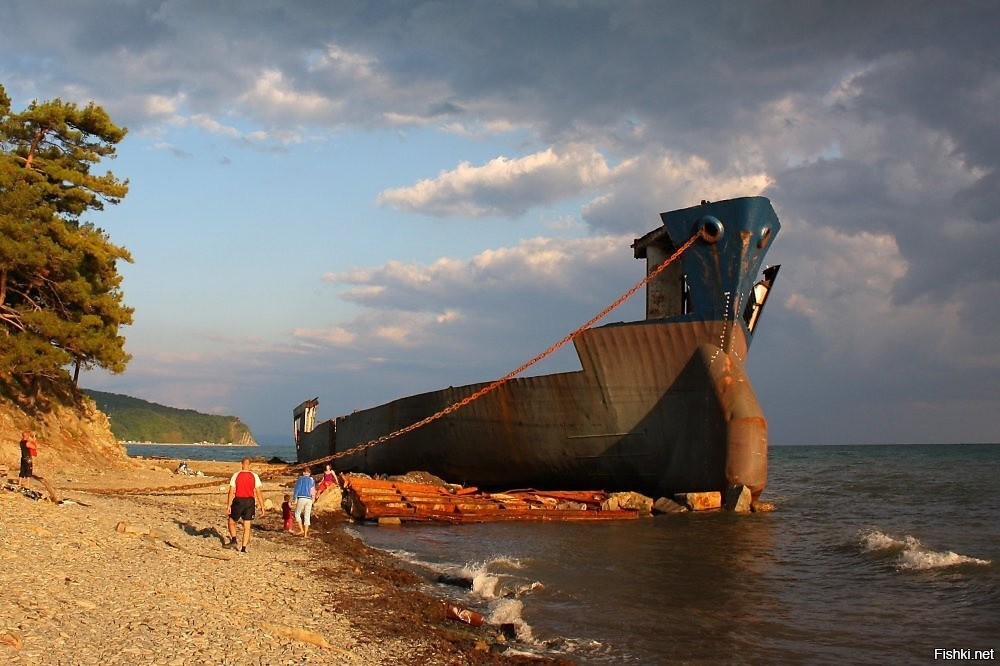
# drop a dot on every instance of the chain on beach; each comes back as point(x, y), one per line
point(489, 388)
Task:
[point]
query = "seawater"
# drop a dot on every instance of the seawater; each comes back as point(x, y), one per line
point(192, 452)
point(875, 555)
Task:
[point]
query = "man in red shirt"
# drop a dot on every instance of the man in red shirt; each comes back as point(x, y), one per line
point(244, 496)
point(29, 451)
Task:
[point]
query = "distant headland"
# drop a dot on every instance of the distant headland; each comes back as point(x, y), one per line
point(136, 421)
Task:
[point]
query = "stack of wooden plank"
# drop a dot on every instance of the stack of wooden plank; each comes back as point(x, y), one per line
point(372, 499)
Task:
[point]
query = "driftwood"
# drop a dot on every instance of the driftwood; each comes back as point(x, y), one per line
point(48, 488)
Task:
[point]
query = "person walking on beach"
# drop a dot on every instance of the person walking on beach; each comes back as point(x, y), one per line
point(304, 494)
point(29, 451)
point(244, 496)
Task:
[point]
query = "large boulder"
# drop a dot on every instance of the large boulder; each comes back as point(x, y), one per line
point(628, 501)
point(667, 505)
point(700, 501)
point(738, 499)
point(328, 501)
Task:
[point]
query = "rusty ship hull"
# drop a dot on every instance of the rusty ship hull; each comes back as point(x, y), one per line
point(659, 406)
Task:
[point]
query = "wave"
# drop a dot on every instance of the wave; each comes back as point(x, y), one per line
point(910, 554)
point(489, 581)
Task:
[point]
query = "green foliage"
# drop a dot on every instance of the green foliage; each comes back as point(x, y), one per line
point(60, 291)
point(135, 420)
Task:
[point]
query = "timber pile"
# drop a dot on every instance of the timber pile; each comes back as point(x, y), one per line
point(374, 499)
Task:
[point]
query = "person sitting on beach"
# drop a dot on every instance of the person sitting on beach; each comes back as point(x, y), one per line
point(29, 451)
point(304, 494)
point(329, 479)
point(244, 496)
point(286, 513)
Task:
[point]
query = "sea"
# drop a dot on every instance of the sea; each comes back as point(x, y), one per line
point(873, 555)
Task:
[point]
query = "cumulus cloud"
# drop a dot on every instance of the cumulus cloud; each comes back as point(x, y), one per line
point(463, 320)
point(535, 266)
point(504, 186)
point(648, 184)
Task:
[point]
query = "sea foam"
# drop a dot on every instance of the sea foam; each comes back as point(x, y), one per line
point(910, 554)
point(489, 583)
point(508, 611)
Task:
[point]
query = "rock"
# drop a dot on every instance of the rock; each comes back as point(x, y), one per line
point(329, 500)
point(141, 530)
point(628, 501)
point(457, 581)
point(298, 634)
point(667, 505)
point(389, 520)
point(700, 501)
point(268, 504)
point(738, 499)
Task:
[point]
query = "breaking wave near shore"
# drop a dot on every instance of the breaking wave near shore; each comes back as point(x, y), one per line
point(497, 586)
point(907, 553)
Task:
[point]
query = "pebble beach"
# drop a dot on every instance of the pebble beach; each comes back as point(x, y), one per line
point(108, 575)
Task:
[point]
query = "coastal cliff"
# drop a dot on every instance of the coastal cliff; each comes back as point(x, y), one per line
point(70, 433)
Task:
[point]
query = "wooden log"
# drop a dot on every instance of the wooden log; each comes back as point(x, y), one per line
point(48, 488)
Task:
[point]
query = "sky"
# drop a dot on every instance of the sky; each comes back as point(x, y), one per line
point(358, 201)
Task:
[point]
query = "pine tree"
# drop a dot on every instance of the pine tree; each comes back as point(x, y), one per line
point(61, 302)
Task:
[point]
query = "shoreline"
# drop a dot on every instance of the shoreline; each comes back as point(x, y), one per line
point(164, 590)
point(198, 444)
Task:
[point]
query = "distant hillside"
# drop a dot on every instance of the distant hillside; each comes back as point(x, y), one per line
point(135, 420)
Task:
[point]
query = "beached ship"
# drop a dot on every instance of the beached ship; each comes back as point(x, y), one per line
point(659, 406)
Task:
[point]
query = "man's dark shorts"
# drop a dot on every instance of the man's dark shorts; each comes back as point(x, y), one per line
point(243, 508)
point(27, 468)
